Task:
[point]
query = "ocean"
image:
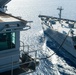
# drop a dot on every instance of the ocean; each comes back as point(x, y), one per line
point(29, 10)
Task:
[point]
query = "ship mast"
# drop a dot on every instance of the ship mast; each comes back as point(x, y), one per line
point(60, 12)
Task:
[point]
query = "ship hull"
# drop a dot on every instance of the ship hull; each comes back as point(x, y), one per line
point(64, 46)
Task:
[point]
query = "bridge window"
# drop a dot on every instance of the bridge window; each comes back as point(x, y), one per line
point(7, 41)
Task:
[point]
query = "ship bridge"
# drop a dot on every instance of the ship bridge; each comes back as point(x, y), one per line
point(10, 27)
point(12, 55)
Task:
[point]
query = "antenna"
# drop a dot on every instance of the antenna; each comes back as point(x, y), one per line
point(60, 12)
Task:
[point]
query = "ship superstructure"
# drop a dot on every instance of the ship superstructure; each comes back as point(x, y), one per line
point(11, 56)
point(62, 31)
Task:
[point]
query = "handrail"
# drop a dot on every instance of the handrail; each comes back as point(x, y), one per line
point(12, 64)
point(18, 63)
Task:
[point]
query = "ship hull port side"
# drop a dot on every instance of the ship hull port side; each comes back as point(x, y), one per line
point(58, 38)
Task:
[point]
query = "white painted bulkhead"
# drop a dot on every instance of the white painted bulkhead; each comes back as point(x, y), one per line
point(9, 57)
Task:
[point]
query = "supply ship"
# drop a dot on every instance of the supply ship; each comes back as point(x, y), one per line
point(62, 32)
point(14, 59)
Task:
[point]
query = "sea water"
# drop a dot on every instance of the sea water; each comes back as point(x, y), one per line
point(29, 10)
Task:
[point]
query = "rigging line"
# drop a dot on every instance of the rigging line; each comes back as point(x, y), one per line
point(64, 40)
point(57, 50)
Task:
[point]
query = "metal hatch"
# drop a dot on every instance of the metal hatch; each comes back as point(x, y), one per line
point(4, 2)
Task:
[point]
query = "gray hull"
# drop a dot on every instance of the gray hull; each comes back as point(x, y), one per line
point(67, 46)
